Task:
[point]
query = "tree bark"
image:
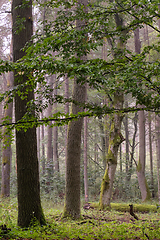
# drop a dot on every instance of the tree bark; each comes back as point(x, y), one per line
point(72, 197)
point(142, 156)
point(72, 203)
point(151, 154)
point(29, 204)
point(115, 136)
point(85, 159)
point(157, 130)
point(115, 139)
point(66, 111)
point(43, 149)
point(55, 135)
point(50, 168)
point(127, 141)
point(6, 152)
point(145, 193)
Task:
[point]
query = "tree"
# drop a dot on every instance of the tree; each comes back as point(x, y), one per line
point(29, 204)
point(85, 157)
point(157, 130)
point(115, 136)
point(72, 194)
point(7, 151)
point(126, 72)
point(142, 149)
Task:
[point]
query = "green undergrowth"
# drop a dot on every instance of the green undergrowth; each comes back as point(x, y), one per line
point(95, 224)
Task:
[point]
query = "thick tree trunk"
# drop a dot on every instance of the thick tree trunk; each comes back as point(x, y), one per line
point(115, 139)
point(29, 204)
point(72, 203)
point(72, 200)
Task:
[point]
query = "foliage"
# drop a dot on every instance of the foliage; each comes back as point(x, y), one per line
point(136, 74)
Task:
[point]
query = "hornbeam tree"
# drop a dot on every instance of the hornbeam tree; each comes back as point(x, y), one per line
point(29, 204)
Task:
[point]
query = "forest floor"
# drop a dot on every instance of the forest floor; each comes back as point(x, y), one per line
point(94, 225)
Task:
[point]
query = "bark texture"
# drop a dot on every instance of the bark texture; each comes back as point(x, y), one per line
point(85, 160)
point(55, 134)
point(7, 151)
point(157, 130)
point(72, 201)
point(145, 193)
point(115, 136)
point(142, 157)
point(115, 139)
point(72, 197)
point(29, 204)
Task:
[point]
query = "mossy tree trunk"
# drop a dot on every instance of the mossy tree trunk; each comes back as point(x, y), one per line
point(115, 136)
point(115, 139)
point(29, 204)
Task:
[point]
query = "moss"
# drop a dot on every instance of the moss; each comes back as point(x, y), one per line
point(104, 187)
point(124, 207)
point(110, 157)
point(139, 166)
point(148, 197)
point(5, 160)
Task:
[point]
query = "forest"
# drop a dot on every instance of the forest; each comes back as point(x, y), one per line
point(79, 119)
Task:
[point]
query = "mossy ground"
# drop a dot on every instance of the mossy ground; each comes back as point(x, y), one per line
point(95, 224)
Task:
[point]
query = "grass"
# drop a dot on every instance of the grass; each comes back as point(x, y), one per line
point(95, 224)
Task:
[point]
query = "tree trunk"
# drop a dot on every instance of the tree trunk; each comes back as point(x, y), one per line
point(151, 155)
point(72, 203)
point(66, 111)
point(135, 120)
point(115, 136)
point(157, 130)
point(127, 141)
point(29, 204)
point(72, 198)
point(141, 163)
point(43, 149)
point(85, 160)
point(145, 193)
point(6, 152)
point(50, 168)
point(103, 142)
point(55, 136)
point(115, 139)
